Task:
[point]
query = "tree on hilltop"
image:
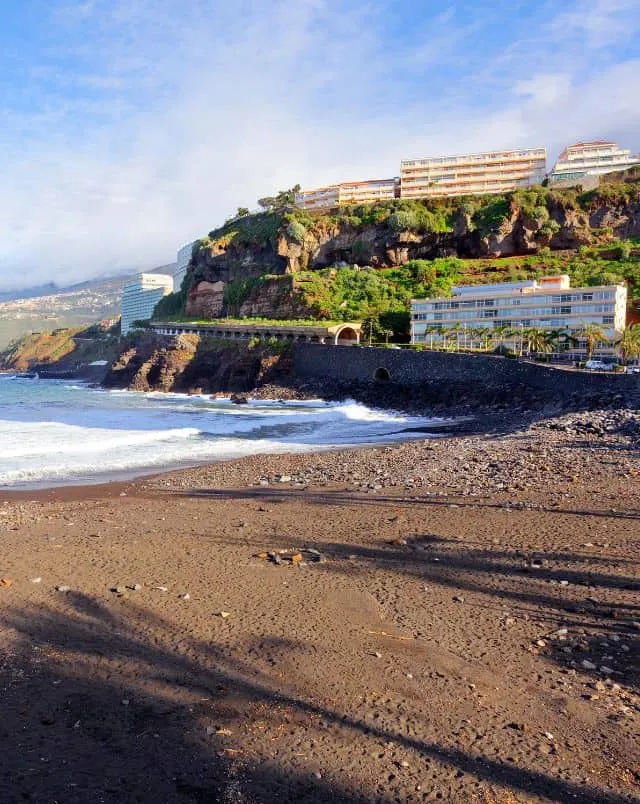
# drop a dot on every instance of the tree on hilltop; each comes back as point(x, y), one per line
point(285, 198)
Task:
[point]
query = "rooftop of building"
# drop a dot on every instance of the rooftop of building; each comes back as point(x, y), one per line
point(478, 155)
point(527, 286)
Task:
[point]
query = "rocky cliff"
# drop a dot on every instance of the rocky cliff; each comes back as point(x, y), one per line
point(187, 363)
point(234, 269)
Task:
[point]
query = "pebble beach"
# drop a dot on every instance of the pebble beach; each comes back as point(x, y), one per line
point(455, 619)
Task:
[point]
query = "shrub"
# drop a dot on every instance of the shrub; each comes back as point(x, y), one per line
point(403, 221)
point(296, 231)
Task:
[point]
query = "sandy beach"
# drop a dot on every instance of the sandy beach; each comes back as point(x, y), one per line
point(453, 620)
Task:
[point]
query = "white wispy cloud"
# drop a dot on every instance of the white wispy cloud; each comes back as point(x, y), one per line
point(151, 121)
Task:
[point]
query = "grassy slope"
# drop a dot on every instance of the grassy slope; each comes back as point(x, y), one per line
point(77, 345)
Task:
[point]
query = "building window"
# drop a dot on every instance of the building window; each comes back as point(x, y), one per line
point(608, 319)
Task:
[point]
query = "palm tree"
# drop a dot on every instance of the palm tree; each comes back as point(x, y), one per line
point(500, 334)
point(537, 340)
point(457, 329)
point(431, 331)
point(629, 343)
point(593, 335)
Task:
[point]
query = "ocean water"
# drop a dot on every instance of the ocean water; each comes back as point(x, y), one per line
point(54, 432)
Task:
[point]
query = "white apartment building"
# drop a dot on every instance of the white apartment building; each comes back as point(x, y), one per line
point(140, 296)
point(549, 303)
point(591, 159)
point(182, 262)
point(471, 174)
point(352, 192)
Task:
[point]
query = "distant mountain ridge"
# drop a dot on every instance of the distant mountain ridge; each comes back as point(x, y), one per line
point(51, 288)
point(49, 307)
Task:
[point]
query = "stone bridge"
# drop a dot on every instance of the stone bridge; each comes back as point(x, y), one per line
point(344, 334)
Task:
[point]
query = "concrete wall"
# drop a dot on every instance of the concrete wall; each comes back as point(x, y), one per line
point(408, 367)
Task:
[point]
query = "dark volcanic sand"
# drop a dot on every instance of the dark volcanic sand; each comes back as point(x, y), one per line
point(424, 658)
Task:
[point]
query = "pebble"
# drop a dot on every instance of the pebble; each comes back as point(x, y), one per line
point(607, 671)
point(588, 665)
point(63, 588)
point(377, 654)
point(136, 587)
point(186, 596)
point(458, 599)
point(36, 580)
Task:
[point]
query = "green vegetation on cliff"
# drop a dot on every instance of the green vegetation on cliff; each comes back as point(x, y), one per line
point(68, 347)
point(368, 261)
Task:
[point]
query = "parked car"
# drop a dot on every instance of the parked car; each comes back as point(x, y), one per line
point(599, 365)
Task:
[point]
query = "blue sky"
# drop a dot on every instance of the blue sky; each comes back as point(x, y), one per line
point(128, 127)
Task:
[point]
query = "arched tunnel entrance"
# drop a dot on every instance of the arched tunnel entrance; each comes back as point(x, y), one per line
point(382, 374)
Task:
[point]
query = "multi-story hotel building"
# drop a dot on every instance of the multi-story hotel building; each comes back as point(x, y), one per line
point(470, 174)
point(182, 262)
point(140, 296)
point(549, 303)
point(351, 192)
point(591, 159)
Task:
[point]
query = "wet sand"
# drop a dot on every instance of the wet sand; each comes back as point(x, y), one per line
point(467, 629)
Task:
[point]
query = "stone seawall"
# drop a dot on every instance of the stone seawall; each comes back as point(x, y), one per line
point(409, 368)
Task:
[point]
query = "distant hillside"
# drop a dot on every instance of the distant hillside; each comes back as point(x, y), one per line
point(74, 306)
point(63, 349)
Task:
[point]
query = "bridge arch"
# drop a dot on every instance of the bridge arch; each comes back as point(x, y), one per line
point(346, 336)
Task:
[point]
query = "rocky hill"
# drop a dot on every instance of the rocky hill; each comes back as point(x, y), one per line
point(64, 352)
point(359, 260)
point(186, 363)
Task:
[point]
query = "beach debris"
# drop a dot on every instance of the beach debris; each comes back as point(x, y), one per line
point(119, 590)
point(399, 542)
point(186, 596)
point(297, 557)
point(136, 587)
point(161, 588)
point(63, 588)
point(36, 580)
point(377, 654)
point(284, 479)
point(6, 582)
point(458, 599)
point(224, 614)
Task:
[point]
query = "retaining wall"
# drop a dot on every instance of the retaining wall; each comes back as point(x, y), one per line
point(407, 367)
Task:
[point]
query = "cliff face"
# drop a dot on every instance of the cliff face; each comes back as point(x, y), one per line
point(186, 363)
point(64, 352)
point(388, 236)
